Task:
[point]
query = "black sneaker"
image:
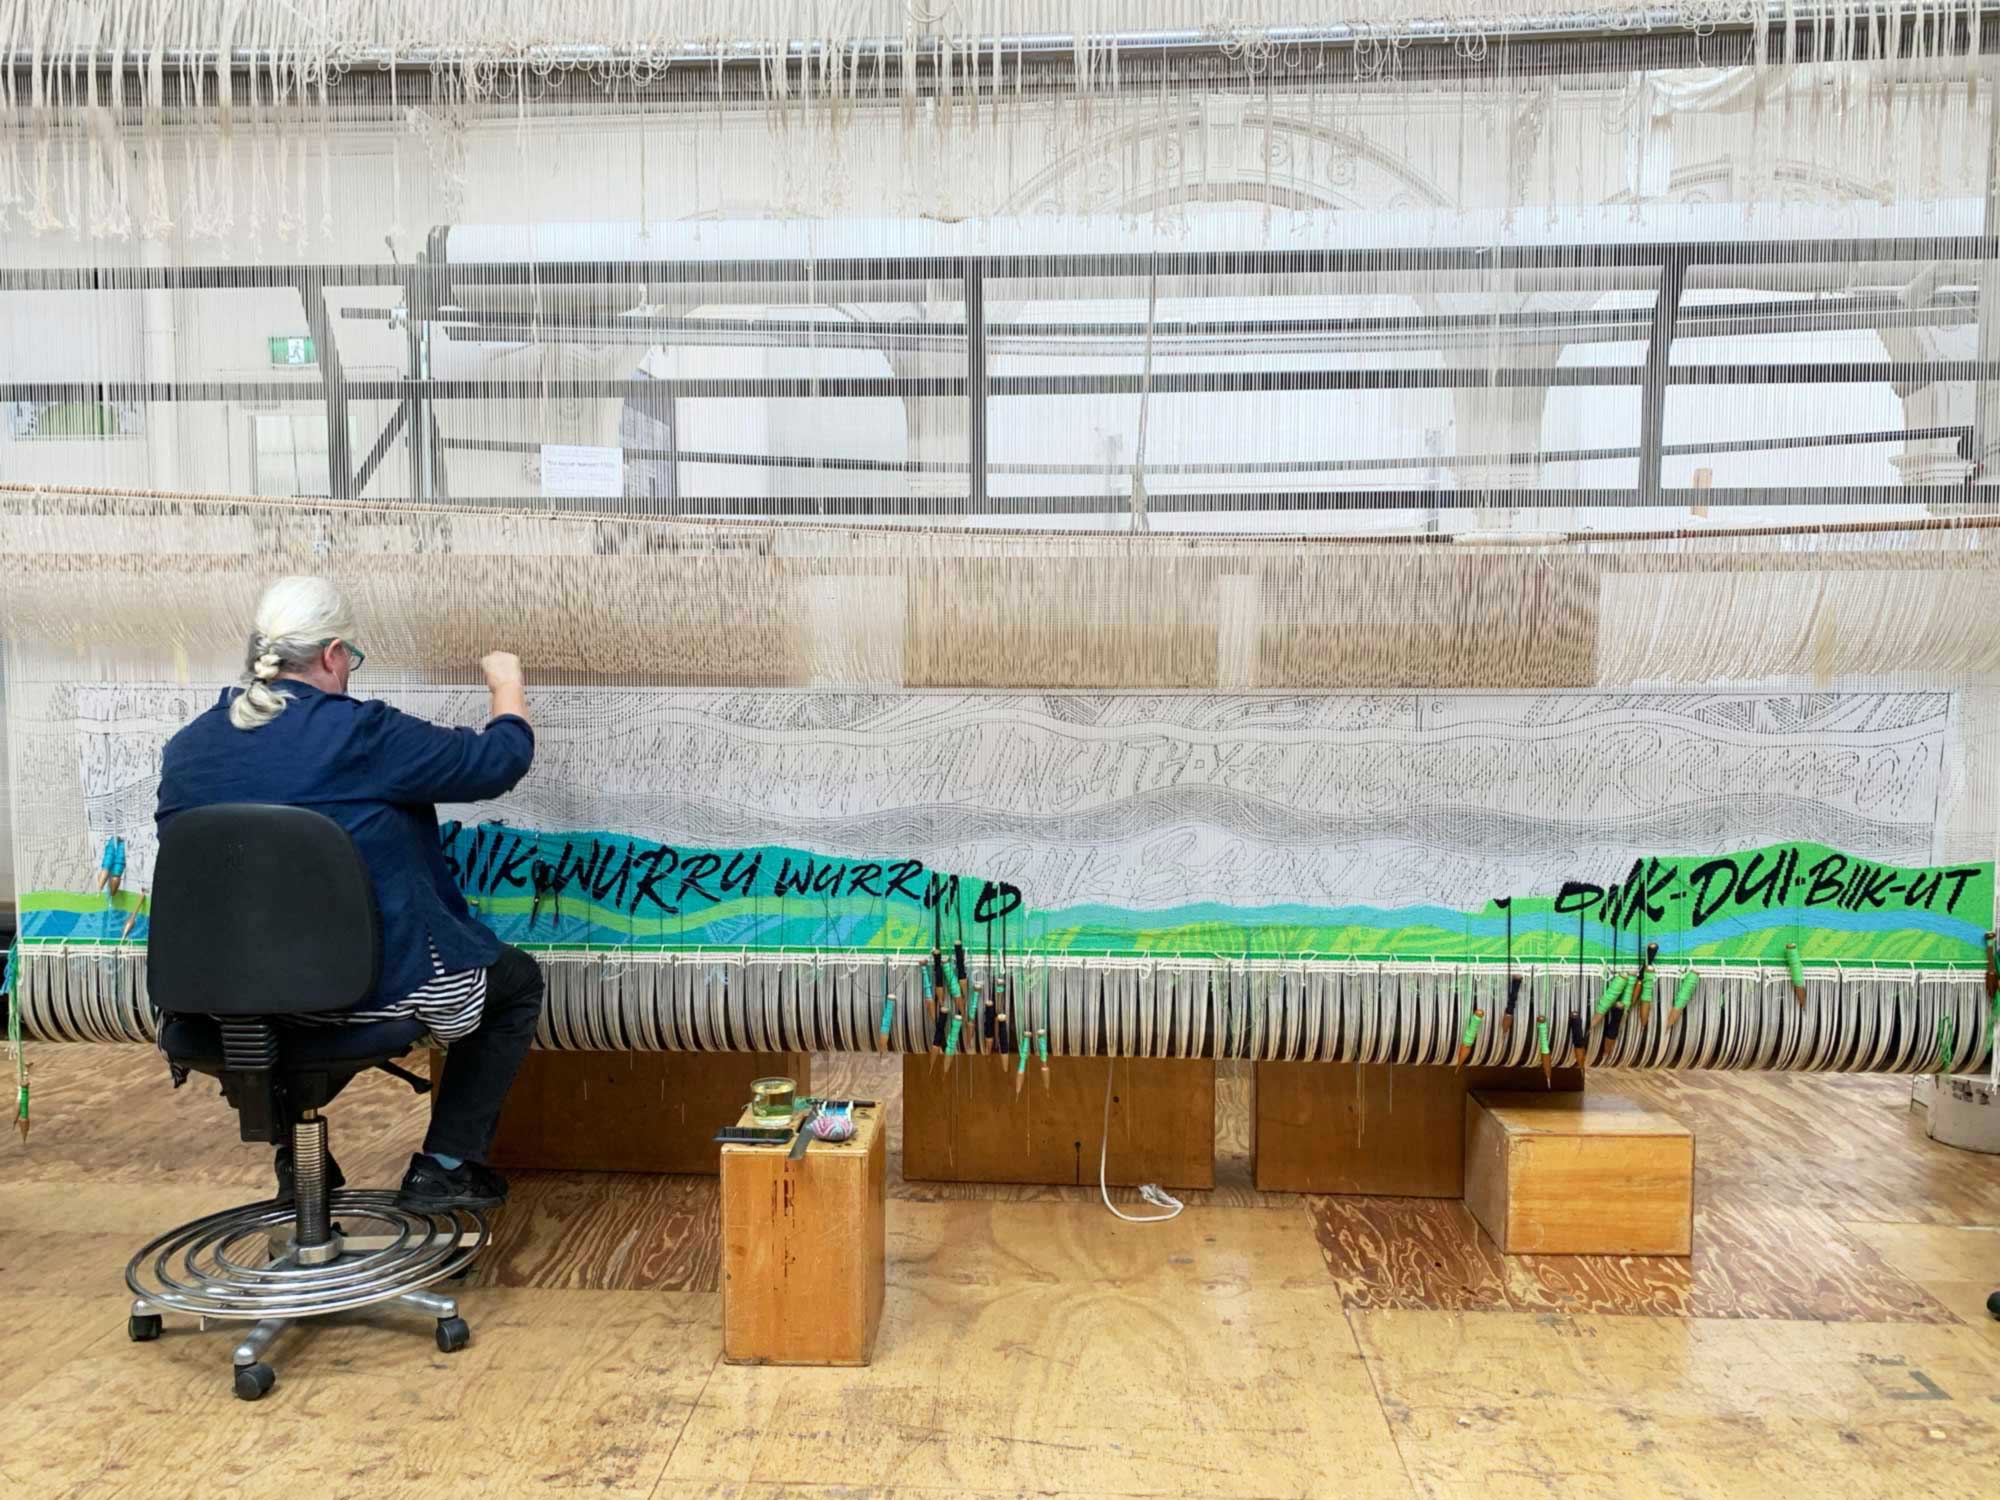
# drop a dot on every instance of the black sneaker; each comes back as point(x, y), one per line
point(430, 1188)
point(281, 1163)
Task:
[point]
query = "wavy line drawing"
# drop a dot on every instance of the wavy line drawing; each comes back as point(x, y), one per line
point(1145, 800)
point(1469, 829)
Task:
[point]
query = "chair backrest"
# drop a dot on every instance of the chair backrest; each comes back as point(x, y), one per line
point(260, 911)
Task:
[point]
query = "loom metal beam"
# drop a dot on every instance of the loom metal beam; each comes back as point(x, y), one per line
point(1196, 383)
point(1658, 374)
point(326, 353)
point(1959, 434)
point(1187, 339)
point(1003, 510)
point(978, 387)
point(431, 285)
point(398, 419)
point(898, 271)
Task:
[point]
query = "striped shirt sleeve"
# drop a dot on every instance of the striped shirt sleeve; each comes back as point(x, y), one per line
point(449, 1004)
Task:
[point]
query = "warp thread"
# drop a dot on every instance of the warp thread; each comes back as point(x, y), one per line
point(106, 92)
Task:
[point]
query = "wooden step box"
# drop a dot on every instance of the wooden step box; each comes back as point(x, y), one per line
point(1579, 1174)
point(804, 1265)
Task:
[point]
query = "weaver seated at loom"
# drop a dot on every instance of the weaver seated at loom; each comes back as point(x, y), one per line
point(293, 736)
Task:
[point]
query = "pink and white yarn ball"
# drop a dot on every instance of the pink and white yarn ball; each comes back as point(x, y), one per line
point(833, 1127)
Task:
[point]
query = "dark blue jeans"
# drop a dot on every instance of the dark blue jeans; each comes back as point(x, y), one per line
point(479, 1069)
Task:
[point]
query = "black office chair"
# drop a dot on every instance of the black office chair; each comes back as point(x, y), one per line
point(261, 913)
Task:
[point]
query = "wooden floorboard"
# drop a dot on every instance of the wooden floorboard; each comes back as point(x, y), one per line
point(1828, 1333)
point(575, 1391)
point(1052, 1388)
point(1533, 1405)
point(606, 1231)
point(1764, 1262)
point(1958, 1267)
point(1848, 1147)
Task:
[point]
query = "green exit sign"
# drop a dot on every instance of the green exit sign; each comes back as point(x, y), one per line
point(293, 351)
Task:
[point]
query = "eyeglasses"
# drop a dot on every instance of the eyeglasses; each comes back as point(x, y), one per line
point(355, 655)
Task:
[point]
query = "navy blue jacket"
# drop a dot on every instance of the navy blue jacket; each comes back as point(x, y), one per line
point(377, 773)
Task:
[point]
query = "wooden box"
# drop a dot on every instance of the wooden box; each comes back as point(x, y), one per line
point(628, 1111)
point(1370, 1128)
point(803, 1253)
point(1579, 1174)
point(963, 1122)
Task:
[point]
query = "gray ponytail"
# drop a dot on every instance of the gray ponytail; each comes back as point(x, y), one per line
point(295, 618)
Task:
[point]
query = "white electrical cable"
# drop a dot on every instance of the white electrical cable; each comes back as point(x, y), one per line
point(1152, 1192)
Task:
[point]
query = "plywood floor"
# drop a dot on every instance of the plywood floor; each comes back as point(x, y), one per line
point(1829, 1332)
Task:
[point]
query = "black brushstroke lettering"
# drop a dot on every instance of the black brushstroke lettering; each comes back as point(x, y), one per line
point(574, 869)
point(1703, 879)
point(1578, 895)
point(1857, 883)
point(942, 891)
point(509, 874)
point(661, 862)
point(1877, 887)
point(996, 901)
point(695, 872)
point(861, 880)
point(901, 874)
point(1628, 900)
point(581, 871)
point(741, 877)
point(794, 885)
point(1613, 909)
point(1657, 883)
point(1752, 884)
point(602, 876)
point(1959, 879)
point(1825, 875)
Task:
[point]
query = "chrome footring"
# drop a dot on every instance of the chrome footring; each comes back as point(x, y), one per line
point(219, 1267)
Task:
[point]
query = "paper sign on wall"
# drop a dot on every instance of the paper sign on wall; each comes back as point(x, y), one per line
point(570, 470)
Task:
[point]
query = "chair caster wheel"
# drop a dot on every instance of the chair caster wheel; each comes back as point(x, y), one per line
point(1993, 1304)
point(254, 1382)
point(453, 1335)
point(142, 1328)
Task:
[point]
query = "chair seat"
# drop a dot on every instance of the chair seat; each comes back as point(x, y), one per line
point(195, 1042)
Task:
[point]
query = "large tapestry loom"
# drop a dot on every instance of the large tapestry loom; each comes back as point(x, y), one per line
point(1258, 761)
point(735, 840)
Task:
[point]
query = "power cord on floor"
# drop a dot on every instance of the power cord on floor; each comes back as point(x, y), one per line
point(1152, 1192)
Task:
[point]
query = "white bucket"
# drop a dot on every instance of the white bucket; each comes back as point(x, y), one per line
point(1966, 1113)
